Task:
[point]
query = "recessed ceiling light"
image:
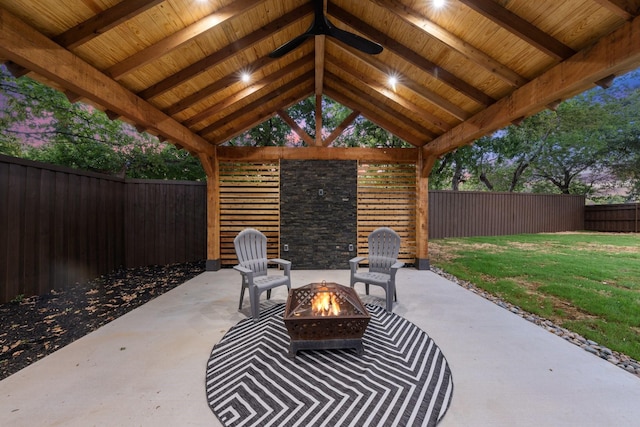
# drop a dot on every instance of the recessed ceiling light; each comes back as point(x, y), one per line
point(245, 77)
point(393, 80)
point(438, 3)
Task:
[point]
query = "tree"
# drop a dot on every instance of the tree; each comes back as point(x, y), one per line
point(39, 123)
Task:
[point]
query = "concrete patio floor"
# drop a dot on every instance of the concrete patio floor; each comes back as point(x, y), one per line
point(147, 368)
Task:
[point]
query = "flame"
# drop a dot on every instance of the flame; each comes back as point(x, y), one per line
point(325, 304)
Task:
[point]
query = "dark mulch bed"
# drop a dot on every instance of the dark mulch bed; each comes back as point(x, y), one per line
point(37, 326)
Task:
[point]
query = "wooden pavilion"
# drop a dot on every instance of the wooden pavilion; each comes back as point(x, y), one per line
point(465, 69)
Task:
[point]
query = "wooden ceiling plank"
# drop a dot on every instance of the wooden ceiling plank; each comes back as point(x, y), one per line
point(259, 154)
point(627, 9)
point(412, 57)
point(297, 129)
point(391, 95)
point(463, 47)
point(388, 109)
point(238, 96)
point(255, 105)
point(177, 39)
point(418, 89)
point(201, 94)
point(615, 53)
point(29, 48)
point(251, 119)
point(103, 22)
point(521, 28)
point(225, 53)
point(340, 128)
point(369, 114)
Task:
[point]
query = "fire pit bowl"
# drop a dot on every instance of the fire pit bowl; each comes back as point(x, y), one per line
point(322, 316)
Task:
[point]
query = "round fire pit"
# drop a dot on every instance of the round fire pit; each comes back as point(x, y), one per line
point(322, 316)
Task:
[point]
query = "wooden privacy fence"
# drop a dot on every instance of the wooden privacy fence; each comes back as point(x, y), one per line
point(623, 218)
point(60, 226)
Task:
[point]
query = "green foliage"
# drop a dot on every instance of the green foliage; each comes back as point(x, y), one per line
point(586, 282)
point(39, 123)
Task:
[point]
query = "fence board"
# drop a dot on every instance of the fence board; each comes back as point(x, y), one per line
point(613, 218)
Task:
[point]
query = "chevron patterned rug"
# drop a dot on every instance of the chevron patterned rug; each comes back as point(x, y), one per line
point(402, 379)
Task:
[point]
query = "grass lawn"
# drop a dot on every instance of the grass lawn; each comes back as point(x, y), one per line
point(588, 283)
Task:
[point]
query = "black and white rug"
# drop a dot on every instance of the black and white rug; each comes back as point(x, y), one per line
point(402, 379)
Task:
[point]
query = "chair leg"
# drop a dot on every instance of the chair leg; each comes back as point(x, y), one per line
point(241, 296)
point(366, 288)
point(255, 303)
point(268, 293)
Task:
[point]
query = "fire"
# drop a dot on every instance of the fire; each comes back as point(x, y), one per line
point(325, 304)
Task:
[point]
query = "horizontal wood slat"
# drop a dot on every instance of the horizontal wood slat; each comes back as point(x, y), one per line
point(249, 197)
point(387, 198)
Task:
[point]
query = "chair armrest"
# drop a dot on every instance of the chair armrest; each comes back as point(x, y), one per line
point(397, 264)
point(241, 269)
point(353, 263)
point(282, 262)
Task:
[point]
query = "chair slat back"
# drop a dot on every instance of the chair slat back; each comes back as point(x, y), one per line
point(251, 250)
point(384, 246)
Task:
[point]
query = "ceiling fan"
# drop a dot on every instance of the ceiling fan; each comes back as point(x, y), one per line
point(322, 26)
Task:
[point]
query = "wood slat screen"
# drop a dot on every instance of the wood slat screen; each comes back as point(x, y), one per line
point(387, 198)
point(249, 197)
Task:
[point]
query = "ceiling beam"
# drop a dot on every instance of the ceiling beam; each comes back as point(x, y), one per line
point(205, 92)
point(341, 95)
point(340, 128)
point(177, 39)
point(615, 53)
point(247, 91)
point(297, 129)
point(225, 53)
point(390, 94)
point(412, 57)
point(258, 154)
point(103, 22)
point(249, 121)
point(29, 48)
point(392, 109)
point(483, 60)
point(319, 79)
point(419, 89)
point(521, 28)
point(258, 104)
point(627, 9)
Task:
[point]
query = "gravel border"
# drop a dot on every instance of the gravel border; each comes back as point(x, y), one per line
point(620, 360)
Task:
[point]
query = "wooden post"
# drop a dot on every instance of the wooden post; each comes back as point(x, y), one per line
point(423, 169)
point(211, 167)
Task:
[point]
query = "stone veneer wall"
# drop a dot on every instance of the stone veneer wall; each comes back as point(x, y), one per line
point(318, 213)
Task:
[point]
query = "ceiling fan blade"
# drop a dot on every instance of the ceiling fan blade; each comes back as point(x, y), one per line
point(355, 41)
point(290, 45)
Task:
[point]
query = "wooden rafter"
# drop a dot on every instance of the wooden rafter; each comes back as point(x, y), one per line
point(103, 22)
point(420, 90)
point(518, 26)
point(485, 61)
point(340, 128)
point(223, 54)
point(251, 109)
point(247, 91)
point(27, 47)
point(177, 39)
point(342, 95)
point(297, 129)
point(391, 95)
point(616, 52)
point(412, 57)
